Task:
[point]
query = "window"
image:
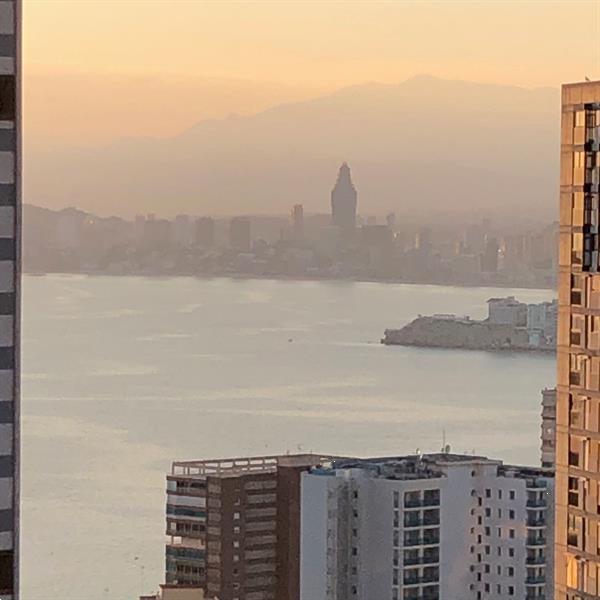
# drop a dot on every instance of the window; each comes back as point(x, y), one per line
point(511, 534)
point(7, 98)
point(511, 514)
point(511, 571)
point(512, 494)
point(511, 552)
point(488, 493)
point(511, 590)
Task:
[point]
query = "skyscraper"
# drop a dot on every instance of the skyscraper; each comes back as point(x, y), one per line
point(344, 199)
point(297, 220)
point(10, 238)
point(578, 397)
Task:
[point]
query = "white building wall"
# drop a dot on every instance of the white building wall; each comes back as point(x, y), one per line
point(483, 534)
point(313, 536)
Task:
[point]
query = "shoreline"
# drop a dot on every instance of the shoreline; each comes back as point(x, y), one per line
point(288, 278)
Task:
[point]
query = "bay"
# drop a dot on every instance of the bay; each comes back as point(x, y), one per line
point(123, 375)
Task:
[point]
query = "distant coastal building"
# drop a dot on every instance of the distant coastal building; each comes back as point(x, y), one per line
point(542, 321)
point(507, 311)
point(344, 200)
point(510, 325)
point(426, 527)
point(549, 428)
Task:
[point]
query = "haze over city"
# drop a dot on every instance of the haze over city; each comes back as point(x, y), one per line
point(141, 125)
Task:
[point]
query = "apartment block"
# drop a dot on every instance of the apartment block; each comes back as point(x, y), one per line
point(578, 389)
point(431, 527)
point(233, 526)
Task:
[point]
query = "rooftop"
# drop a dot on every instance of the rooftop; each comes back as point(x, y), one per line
point(233, 467)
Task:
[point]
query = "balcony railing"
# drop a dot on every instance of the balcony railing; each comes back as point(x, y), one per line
point(422, 560)
point(538, 541)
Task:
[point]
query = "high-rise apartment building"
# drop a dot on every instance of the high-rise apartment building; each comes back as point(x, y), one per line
point(578, 397)
point(234, 526)
point(10, 238)
point(205, 232)
point(432, 527)
point(344, 200)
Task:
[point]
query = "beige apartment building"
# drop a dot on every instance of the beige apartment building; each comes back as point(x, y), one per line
point(577, 564)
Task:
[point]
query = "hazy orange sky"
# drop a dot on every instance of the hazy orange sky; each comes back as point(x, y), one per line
point(96, 70)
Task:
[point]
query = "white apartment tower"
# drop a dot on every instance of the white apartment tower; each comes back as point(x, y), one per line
point(432, 527)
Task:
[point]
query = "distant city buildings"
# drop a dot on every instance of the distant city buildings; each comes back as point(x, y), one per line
point(435, 527)
point(297, 222)
point(344, 201)
point(10, 289)
point(240, 238)
point(205, 236)
point(317, 246)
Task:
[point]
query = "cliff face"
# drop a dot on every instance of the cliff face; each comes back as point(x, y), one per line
point(447, 333)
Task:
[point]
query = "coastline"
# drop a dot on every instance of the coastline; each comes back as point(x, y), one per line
point(303, 278)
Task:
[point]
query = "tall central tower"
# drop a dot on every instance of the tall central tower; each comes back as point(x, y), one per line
point(577, 565)
point(344, 200)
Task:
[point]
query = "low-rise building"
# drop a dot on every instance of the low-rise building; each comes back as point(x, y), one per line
point(507, 311)
point(432, 527)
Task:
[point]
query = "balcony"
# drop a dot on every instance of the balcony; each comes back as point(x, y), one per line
point(536, 541)
point(421, 541)
point(535, 560)
point(433, 578)
point(426, 521)
point(429, 501)
point(422, 560)
point(540, 522)
point(537, 503)
point(539, 580)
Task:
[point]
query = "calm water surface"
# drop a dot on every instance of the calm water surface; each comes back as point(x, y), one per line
point(123, 375)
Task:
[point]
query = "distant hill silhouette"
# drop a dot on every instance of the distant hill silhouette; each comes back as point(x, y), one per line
point(420, 146)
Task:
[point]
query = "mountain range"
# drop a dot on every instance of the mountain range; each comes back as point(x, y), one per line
point(426, 146)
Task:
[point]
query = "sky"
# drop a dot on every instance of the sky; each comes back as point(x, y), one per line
point(99, 70)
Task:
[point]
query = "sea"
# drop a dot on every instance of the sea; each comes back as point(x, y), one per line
point(122, 375)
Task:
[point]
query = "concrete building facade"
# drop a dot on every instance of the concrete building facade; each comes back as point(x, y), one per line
point(433, 527)
point(233, 526)
point(578, 389)
point(10, 259)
